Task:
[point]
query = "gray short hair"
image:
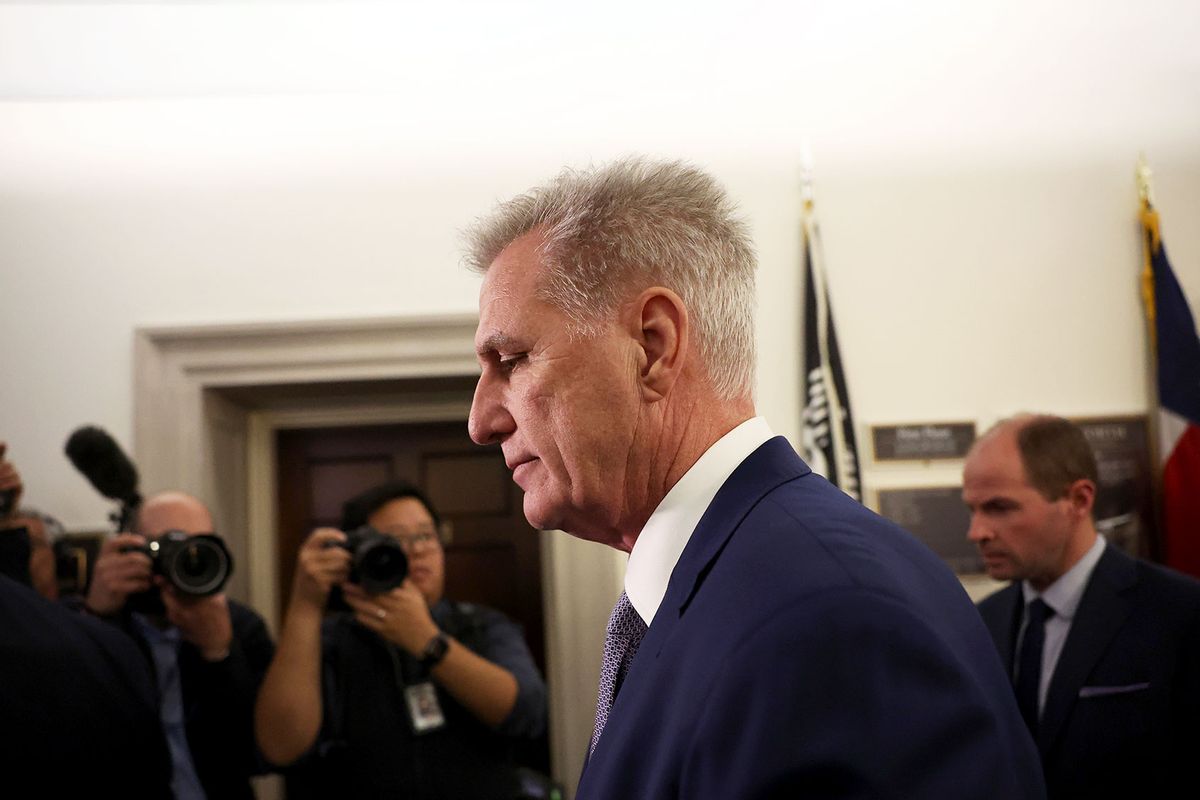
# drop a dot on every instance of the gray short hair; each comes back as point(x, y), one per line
point(613, 231)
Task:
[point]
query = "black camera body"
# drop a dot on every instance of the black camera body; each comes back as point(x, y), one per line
point(15, 549)
point(196, 565)
point(377, 561)
point(8, 500)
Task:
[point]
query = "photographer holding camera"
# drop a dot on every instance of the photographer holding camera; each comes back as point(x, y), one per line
point(407, 694)
point(207, 653)
point(25, 554)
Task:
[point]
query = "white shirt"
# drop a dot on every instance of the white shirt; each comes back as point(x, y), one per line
point(1063, 597)
point(666, 533)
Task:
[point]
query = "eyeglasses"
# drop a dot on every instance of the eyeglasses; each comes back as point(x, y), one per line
point(409, 539)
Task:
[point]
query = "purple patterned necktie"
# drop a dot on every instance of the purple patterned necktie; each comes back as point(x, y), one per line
point(625, 632)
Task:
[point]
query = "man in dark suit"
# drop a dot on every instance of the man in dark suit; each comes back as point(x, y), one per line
point(78, 713)
point(1104, 649)
point(75, 698)
point(775, 638)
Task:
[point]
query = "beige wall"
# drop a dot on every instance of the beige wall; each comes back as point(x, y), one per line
point(964, 292)
point(227, 163)
point(210, 163)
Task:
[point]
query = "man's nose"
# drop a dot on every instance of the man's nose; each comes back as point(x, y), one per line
point(978, 530)
point(489, 421)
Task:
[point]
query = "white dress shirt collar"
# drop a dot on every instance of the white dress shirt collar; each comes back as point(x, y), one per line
point(669, 528)
point(1065, 593)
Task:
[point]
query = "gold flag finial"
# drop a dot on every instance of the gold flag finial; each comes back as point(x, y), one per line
point(1144, 176)
point(1152, 241)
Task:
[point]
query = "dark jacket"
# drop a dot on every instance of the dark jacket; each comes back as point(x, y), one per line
point(806, 647)
point(76, 703)
point(368, 747)
point(218, 702)
point(1122, 713)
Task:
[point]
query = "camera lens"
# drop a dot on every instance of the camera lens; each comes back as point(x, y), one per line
point(380, 564)
point(199, 566)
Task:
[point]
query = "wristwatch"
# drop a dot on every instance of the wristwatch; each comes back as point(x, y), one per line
point(435, 651)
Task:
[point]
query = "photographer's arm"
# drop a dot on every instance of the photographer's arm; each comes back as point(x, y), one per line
point(486, 689)
point(204, 621)
point(287, 716)
point(221, 680)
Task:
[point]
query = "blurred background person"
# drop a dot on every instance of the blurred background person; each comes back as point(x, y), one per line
point(45, 532)
point(16, 545)
point(1103, 649)
point(406, 694)
point(208, 654)
point(26, 535)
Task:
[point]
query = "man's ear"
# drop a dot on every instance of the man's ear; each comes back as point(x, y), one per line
point(1082, 495)
point(661, 331)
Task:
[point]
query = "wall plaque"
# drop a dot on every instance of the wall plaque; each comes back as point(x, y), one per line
point(935, 515)
point(1125, 496)
point(922, 441)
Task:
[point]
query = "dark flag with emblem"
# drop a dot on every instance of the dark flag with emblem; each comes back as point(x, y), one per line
point(827, 434)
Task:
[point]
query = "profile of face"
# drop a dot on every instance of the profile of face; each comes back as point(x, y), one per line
point(408, 521)
point(1020, 534)
point(563, 408)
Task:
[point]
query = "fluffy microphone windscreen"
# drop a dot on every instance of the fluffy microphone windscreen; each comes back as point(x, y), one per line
point(103, 463)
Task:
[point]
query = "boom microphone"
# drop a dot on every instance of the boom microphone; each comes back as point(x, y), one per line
point(107, 468)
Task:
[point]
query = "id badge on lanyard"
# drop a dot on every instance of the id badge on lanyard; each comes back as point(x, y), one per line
point(424, 710)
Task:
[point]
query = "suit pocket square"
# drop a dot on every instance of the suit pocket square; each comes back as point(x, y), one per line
point(1105, 691)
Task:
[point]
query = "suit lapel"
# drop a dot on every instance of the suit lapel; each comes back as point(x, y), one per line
point(1101, 613)
point(772, 464)
point(768, 467)
point(1003, 622)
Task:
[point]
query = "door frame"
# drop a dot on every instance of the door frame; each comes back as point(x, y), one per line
point(199, 427)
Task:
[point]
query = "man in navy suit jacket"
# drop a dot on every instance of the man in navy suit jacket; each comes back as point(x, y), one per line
point(1118, 672)
point(797, 644)
point(79, 715)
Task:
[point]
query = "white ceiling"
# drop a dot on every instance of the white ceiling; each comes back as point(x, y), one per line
point(853, 77)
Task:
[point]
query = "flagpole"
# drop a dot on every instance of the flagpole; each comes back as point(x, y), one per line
point(820, 292)
point(1151, 240)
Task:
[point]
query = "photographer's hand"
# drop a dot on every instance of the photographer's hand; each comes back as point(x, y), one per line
point(203, 621)
point(405, 618)
point(319, 566)
point(118, 575)
point(10, 481)
point(487, 689)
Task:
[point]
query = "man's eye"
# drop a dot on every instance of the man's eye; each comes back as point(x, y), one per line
point(509, 362)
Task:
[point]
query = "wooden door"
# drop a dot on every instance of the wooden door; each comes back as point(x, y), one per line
point(492, 554)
